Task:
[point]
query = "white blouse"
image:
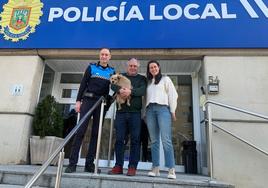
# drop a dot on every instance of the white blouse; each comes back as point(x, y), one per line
point(163, 93)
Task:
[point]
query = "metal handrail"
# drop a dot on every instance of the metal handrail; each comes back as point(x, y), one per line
point(241, 139)
point(207, 108)
point(111, 135)
point(236, 109)
point(65, 141)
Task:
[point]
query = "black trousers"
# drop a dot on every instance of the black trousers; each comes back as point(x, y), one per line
point(85, 107)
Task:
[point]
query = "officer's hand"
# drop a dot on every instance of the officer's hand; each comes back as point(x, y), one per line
point(77, 106)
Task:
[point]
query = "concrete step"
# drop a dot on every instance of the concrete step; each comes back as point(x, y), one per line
point(16, 175)
point(16, 186)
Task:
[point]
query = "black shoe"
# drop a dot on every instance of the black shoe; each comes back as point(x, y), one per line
point(90, 168)
point(70, 169)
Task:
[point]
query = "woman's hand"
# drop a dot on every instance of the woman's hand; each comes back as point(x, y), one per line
point(174, 118)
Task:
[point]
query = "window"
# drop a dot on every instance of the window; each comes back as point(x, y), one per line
point(69, 93)
point(71, 78)
point(47, 82)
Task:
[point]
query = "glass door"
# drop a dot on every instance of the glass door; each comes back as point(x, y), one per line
point(66, 89)
point(182, 129)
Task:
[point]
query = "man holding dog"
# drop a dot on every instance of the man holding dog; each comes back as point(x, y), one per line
point(95, 83)
point(129, 118)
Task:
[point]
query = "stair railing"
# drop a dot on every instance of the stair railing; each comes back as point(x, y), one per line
point(60, 149)
point(207, 108)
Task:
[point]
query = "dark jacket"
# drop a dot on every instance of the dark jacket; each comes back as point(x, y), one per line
point(96, 80)
point(138, 90)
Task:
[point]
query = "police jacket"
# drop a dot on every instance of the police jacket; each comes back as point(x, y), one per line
point(96, 81)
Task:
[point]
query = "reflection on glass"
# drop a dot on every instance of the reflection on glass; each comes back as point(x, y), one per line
point(70, 120)
point(66, 109)
point(47, 83)
point(69, 93)
point(182, 129)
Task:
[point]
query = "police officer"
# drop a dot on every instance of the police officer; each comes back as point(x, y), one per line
point(95, 83)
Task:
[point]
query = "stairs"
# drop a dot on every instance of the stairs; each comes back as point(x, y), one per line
point(16, 176)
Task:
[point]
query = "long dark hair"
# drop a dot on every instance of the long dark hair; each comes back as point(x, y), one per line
point(150, 76)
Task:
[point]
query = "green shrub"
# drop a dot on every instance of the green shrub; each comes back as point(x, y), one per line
point(48, 120)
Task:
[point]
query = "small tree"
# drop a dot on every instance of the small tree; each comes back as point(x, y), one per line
point(48, 120)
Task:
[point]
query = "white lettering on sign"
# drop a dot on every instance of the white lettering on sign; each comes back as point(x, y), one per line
point(85, 17)
point(55, 13)
point(153, 15)
point(171, 12)
point(210, 11)
point(224, 12)
point(106, 13)
point(169, 8)
point(134, 13)
point(188, 11)
point(72, 11)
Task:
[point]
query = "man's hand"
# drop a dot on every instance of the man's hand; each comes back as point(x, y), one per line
point(124, 92)
point(77, 106)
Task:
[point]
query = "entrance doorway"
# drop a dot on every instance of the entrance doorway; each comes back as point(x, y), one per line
point(65, 88)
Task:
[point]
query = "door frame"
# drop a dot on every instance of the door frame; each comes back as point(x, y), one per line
point(57, 89)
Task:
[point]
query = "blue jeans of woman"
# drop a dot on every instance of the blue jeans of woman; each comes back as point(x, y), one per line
point(127, 121)
point(159, 123)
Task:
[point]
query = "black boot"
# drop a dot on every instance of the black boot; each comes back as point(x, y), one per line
point(70, 169)
point(90, 168)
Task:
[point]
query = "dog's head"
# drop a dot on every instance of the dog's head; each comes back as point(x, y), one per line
point(115, 78)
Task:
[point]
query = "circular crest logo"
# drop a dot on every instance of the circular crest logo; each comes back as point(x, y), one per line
point(19, 18)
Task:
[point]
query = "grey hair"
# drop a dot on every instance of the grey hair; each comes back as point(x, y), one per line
point(133, 59)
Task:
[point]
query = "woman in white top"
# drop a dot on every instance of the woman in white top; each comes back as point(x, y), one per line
point(161, 103)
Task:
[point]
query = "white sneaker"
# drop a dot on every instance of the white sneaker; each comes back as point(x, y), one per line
point(155, 172)
point(171, 173)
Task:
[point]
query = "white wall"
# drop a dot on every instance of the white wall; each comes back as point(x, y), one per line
point(243, 83)
point(15, 118)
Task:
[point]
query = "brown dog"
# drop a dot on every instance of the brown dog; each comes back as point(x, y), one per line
point(123, 82)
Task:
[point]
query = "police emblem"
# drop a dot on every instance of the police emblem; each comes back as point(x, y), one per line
point(19, 18)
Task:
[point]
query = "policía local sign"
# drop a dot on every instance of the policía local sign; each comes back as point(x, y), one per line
point(134, 24)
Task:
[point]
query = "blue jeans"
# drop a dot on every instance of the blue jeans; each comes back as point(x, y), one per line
point(159, 122)
point(127, 121)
